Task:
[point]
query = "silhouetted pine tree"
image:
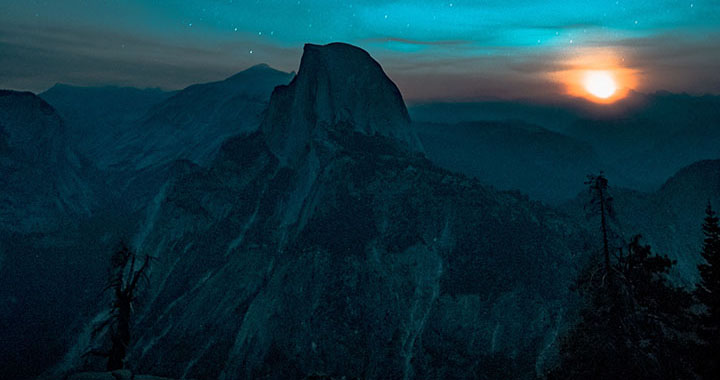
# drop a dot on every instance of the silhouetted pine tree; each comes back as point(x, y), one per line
point(632, 322)
point(708, 293)
point(123, 282)
point(601, 204)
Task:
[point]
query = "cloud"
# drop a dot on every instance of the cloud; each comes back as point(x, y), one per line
point(36, 58)
point(416, 42)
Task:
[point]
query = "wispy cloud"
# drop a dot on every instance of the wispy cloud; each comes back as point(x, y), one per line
point(416, 42)
point(36, 58)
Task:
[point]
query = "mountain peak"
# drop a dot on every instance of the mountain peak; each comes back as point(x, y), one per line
point(259, 70)
point(336, 84)
point(22, 103)
point(259, 67)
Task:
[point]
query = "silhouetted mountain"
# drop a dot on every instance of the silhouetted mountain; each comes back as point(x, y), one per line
point(665, 133)
point(512, 155)
point(641, 140)
point(554, 117)
point(325, 243)
point(95, 117)
point(42, 180)
point(193, 123)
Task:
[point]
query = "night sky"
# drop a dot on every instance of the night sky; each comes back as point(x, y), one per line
point(432, 49)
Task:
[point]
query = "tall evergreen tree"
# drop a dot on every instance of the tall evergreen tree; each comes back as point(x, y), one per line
point(708, 293)
point(601, 204)
point(633, 327)
point(632, 322)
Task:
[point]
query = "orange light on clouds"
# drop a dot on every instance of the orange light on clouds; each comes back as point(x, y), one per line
point(598, 77)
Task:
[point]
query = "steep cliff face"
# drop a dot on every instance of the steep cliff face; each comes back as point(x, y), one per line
point(40, 175)
point(336, 85)
point(343, 251)
point(193, 123)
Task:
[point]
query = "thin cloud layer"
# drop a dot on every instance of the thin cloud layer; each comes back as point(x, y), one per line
point(445, 50)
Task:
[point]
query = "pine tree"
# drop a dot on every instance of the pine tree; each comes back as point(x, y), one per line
point(601, 203)
point(708, 293)
point(632, 321)
point(631, 328)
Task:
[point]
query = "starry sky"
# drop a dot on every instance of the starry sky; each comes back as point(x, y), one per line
point(433, 50)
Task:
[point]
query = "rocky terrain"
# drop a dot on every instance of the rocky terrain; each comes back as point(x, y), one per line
point(312, 230)
point(336, 248)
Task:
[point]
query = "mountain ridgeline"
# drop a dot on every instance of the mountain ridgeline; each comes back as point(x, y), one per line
point(639, 142)
point(303, 226)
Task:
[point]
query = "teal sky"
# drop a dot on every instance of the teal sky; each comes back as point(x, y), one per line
point(432, 49)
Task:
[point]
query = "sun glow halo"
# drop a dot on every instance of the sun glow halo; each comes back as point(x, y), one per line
point(599, 76)
point(600, 84)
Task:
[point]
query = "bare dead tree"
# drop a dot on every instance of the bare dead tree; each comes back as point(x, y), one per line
point(123, 282)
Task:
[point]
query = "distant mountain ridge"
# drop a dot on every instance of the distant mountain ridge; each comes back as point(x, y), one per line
point(546, 165)
point(137, 129)
point(194, 122)
point(96, 116)
point(641, 140)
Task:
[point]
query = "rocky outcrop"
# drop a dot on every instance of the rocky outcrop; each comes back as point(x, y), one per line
point(344, 252)
point(337, 85)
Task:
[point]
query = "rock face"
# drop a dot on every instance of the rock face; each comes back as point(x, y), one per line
point(326, 244)
point(337, 84)
point(40, 175)
point(192, 124)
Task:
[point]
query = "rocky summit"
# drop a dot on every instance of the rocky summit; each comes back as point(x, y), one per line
point(327, 244)
point(337, 86)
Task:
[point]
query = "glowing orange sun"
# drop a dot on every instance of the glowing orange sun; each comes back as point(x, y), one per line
point(597, 76)
point(600, 84)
